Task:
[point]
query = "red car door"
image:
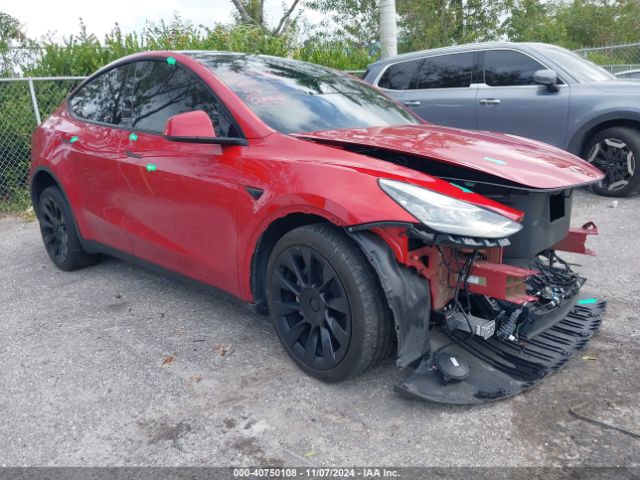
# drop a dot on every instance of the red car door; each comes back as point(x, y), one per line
point(95, 138)
point(181, 199)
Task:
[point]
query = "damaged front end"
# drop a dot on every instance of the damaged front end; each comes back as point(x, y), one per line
point(480, 319)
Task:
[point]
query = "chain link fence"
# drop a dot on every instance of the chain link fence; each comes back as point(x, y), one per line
point(23, 103)
point(616, 58)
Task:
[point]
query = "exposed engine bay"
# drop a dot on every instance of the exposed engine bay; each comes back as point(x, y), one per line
point(501, 314)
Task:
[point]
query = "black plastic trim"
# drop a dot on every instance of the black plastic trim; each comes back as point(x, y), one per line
point(91, 246)
point(407, 294)
point(209, 140)
point(500, 369)
point(255, 192)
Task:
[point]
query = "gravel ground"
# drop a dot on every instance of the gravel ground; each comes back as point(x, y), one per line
point(116, 366)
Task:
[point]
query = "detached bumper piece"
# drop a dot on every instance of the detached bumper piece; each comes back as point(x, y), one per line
point(495, 369)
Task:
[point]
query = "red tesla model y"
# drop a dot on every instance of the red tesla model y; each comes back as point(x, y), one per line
point(361, 230)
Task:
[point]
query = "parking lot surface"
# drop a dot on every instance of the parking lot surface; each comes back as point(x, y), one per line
point(116, 366)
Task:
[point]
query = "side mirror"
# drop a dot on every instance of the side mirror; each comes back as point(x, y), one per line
point(546, 77)
point(196, 127)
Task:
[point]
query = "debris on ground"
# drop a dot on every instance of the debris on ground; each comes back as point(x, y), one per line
point(588, 357)
point(613, 204)
point(168, 360)
point(223, 350)
point(594, 421)
point(29, 214)
point(194, 379)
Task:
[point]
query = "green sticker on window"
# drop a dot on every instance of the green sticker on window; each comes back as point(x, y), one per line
point(465, 190)
point(73, 139)
point(151, 167)
point(171, 60)
point(133, 137)
point(587, 301)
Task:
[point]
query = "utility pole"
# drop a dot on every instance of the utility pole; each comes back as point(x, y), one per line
point(388, 29)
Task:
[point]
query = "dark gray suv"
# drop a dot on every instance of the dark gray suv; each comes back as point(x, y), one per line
point(533, 90)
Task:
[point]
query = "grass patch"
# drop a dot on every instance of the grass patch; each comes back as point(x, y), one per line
point(17, 203)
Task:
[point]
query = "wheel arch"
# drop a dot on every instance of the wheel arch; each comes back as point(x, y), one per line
point(582, 136)
point(43, 178)
point(264, 246)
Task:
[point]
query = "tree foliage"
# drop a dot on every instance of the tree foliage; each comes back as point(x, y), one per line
point(353, 21)
point(15, 47)
point(251, 12)
point(347, 39)
point(434, 23)
point(437, 23)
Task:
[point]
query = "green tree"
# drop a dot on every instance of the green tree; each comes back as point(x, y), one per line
point(251, 12)
point(436, 23)
point(574, 24)
point(534, 21)
point(351, 21)
point(16, 48)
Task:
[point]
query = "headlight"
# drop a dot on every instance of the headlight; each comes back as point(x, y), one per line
point(448, 215)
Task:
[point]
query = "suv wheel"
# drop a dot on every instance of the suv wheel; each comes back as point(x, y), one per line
point(326, 304)
point(615, 151)
point(59, 233)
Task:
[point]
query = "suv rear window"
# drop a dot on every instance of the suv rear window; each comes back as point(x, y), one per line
point(446, 71)
point(504, 68)
point(400, 76)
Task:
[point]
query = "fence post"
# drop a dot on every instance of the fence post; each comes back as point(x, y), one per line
point(34, 101)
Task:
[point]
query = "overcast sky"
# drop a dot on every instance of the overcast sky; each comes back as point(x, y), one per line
point(61, 16)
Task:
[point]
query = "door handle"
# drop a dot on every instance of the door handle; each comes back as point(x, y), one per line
point(412, 103)
point(490, 101)
point(133, 155)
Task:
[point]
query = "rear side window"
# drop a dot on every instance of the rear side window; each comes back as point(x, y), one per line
point(446, 71)
point(161, 90)
point(400, 76)
point(102, 98)
point(504, 68)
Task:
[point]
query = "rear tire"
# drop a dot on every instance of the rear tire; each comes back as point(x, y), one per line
point(326, 304)
point(616, 152)
point(59, 233)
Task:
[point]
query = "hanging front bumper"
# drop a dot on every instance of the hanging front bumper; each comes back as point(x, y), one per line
point(501, 369)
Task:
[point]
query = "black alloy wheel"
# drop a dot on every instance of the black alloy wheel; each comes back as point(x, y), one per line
point(59, 233)
point(615, 152)
point(54, 230)
point(311, 307)
point(326, 303)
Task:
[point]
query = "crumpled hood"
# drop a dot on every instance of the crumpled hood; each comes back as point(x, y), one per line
point(523, 161)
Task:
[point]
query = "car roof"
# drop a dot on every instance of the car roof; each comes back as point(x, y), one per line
point(464, 48)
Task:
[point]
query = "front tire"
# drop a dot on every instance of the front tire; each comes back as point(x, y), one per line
point(616, 152)
point(58, 231)
point(326, 303)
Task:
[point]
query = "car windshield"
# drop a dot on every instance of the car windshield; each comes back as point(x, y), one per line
point(296, 97)
point(579, 68)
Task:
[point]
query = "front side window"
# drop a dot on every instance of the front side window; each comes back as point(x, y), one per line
point(161, 90)
point(400, 76)
point(503, 68)
point(446, 71)
point(102, 98)
point(581, 69)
